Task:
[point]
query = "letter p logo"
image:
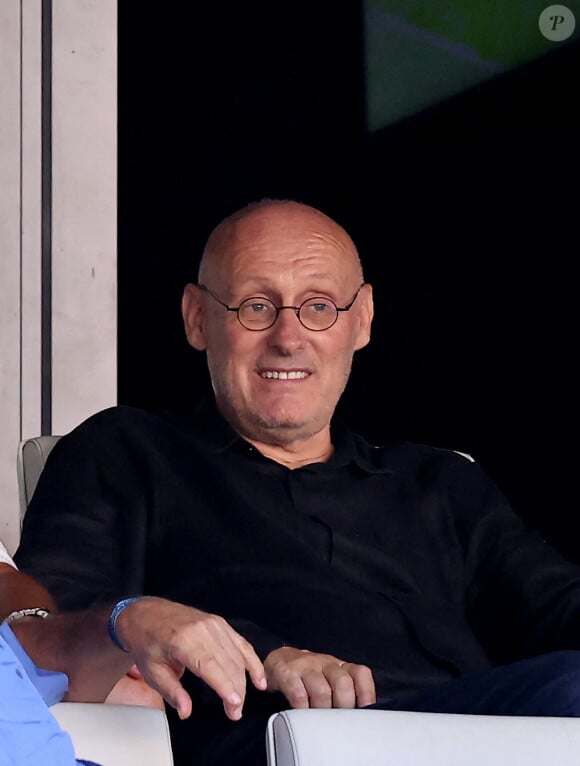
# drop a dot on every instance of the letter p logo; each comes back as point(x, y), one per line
point(556, 23)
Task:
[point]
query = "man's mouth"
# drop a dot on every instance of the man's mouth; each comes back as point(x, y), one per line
point(284, 374)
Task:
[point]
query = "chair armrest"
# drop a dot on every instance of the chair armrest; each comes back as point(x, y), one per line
point(398, 738)
point(116, 735)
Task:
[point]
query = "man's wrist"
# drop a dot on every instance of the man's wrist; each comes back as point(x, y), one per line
point(117, 610)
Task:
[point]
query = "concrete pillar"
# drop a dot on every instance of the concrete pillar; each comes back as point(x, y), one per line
point(58, 273)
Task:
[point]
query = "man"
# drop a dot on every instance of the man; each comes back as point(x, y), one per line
point(395, 575)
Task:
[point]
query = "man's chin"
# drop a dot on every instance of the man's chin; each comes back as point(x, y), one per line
point(282, 423)
point(285, 427)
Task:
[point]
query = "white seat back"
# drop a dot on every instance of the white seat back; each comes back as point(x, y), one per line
point(116, 735)
point(30, 460)
point(398, 738)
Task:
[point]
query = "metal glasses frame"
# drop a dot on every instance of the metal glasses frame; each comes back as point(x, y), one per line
point(278, 309)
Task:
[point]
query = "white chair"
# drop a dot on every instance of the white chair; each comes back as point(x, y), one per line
point(399, 738)
point(116, 735)
point(30, 460)
point(111, 735)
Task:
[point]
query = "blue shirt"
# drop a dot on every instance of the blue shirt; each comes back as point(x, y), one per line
point(29, 733)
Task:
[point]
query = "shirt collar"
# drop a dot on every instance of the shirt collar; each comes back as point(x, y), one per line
point(349, 448)
point(352, 448)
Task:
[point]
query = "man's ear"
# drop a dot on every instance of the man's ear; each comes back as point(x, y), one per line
point(366, 312)
point(193, 316)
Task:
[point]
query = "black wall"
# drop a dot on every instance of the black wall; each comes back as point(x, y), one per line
point(465, 217)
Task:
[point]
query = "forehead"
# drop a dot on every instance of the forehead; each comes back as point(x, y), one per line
point(284, 242)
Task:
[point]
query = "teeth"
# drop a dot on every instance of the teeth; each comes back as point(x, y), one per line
point(284, 375)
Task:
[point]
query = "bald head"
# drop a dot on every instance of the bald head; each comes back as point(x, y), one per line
point(289, 220)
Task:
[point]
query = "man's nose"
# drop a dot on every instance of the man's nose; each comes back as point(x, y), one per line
point(287, 332)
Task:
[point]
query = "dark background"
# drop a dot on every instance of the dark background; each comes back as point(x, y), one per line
point(465, 217)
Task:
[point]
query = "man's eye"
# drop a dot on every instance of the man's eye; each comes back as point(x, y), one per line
point(318, 307)
point(257, 308)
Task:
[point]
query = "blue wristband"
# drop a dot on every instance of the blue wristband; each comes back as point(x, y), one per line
point(112, 624)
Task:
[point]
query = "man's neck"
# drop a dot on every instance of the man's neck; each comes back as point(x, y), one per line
point(317, 449)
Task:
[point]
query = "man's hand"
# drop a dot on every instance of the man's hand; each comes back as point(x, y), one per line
point(164, 638)
point(308, 679)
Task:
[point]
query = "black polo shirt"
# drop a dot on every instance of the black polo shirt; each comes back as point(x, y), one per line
point(403, 557)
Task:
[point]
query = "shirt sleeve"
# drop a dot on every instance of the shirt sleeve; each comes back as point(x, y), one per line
point(5, 558)
point(84, 534)
point(51, 685)
point(29, 733)
point(522, 595)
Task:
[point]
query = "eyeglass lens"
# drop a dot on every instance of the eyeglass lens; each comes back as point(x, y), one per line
point(314, 314)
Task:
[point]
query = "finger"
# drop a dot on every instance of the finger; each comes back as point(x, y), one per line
point(231, 653)
point(253, 664)
point(342, 685)
point(215, 659)
point(182, 703)
point(292, 687)
point(166, 681)
point(226, 678)
point(364, 684)
point(233, 712)
point(318, 689)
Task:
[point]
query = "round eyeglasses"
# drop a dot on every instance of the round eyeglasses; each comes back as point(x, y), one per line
point(259, 313)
